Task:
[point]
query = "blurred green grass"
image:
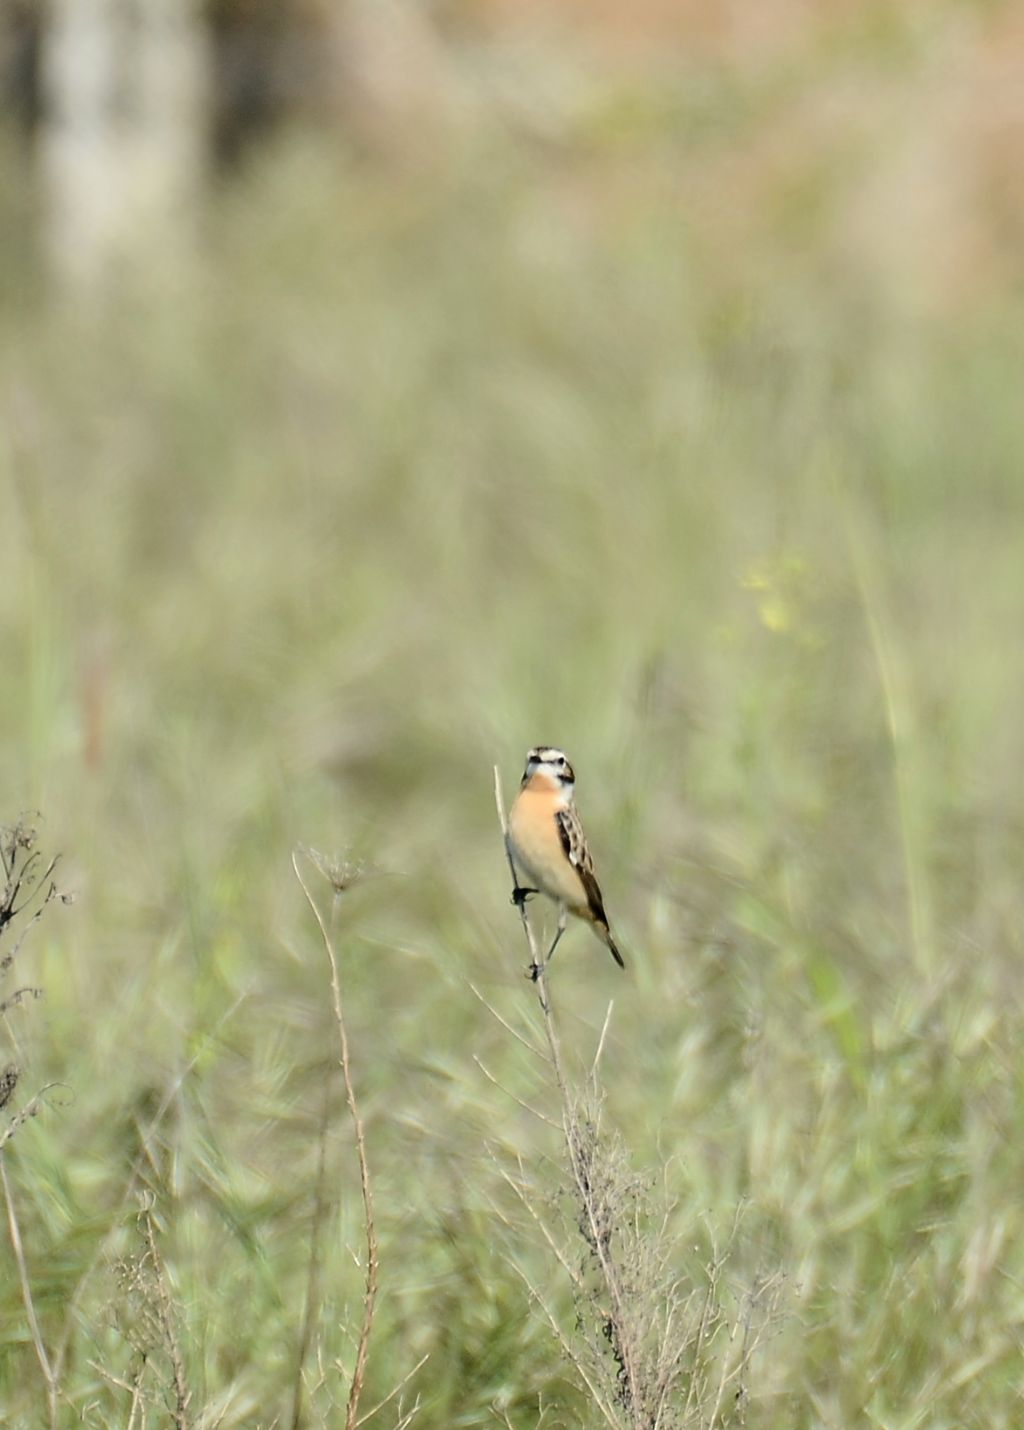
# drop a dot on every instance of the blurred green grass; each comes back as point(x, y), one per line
point(405, 474)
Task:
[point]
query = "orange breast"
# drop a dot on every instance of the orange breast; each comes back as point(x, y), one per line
point(538, 849)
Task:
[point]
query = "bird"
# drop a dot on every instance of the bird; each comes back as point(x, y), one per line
point(546, 841)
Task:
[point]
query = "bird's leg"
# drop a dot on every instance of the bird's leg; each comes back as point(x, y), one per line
point(562, 915)
point(535, 969)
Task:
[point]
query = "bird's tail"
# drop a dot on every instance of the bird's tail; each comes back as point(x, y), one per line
point(606, 934)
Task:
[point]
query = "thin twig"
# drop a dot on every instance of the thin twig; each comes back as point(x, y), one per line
point(313, 1277)
point(560, 1256)
point(533, 1111)
point(134, 1387)
point(30, 1110)
point(407, 1416)
point(392, 1393)
point(45, 1366)
point(703, 1325)
point(568, 1348)
point(370, 1291)
point(530, 1047)
point(600, 1044)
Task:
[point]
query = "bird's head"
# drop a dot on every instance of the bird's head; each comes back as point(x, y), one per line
point(548, 765)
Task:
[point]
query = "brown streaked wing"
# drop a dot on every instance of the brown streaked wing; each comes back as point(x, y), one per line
point(575, 845)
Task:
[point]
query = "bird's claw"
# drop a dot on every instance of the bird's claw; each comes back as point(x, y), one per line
point(520, 896)
point(534, 971)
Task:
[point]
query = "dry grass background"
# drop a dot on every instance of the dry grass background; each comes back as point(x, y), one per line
point(614, 433)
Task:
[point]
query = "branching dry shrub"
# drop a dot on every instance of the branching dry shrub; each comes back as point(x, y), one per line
point(654, 1348)
point(146, 1317)
point(28, 888)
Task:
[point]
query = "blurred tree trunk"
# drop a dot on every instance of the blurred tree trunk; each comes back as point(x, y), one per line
point(124, 120)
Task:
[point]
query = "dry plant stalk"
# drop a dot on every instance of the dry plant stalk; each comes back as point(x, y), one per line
point(595, 1226)
point(370, 1287)
point(648, 1358)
